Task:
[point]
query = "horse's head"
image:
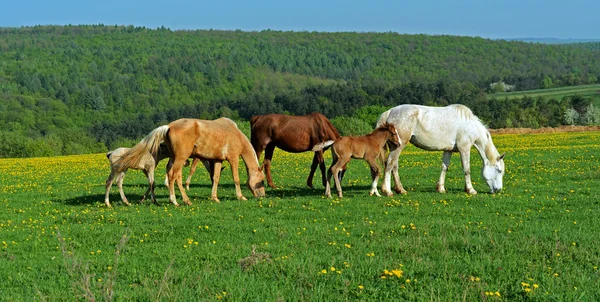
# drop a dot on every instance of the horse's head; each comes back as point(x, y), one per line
point(493, 174)
point(393, 135)
point(256, 183)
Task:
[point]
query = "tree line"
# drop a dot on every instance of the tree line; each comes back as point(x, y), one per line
point(79, 89)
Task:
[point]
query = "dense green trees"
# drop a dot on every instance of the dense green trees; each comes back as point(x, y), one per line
point(75, 89)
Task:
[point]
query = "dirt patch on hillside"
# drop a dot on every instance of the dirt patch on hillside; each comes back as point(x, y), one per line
point(544, 130)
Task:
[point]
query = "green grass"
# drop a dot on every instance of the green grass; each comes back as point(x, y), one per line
point(537, 240)
point(591, 91)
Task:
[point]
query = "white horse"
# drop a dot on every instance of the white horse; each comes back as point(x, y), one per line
point(450, 129)
point(147, 165)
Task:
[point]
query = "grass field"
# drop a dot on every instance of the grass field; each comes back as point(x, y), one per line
point(537, 240)
point(591, 91)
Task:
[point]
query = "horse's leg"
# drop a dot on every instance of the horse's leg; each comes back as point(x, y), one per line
point(398, 187)
point(192, 171)
point(267, 164)
point(120, 185)
point(152, 186)
point(173, 175)
point(465, 157)
point(215, 179)
point(210, 167)
point(149, 186)
point(374, 176)
point(234, 163)
point(321, 159)
point(184, 196)
point(167, 168)
point(109, 182)
point(392, 165)
point(336, 177)
point(445, 164)
point(329, 174)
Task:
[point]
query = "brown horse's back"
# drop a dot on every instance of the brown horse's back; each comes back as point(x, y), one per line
point(291, 133)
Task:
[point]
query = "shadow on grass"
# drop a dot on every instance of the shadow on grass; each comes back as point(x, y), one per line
point(197, 193)
point(299, 191)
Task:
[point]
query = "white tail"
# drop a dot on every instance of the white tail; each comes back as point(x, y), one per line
point(323, 145)
point(148, 144)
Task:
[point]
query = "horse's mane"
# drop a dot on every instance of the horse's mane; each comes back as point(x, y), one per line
point(489, 148)
point(467, 114)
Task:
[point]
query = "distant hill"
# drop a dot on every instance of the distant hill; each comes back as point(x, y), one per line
point(76, 89)
point(552, 40)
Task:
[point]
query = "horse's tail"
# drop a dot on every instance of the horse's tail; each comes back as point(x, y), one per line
point(253, 119)
point(382, 119)
point(323, 145)
point(149, 144)
point(330, 126)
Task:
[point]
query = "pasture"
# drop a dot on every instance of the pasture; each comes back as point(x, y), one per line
point(536, 240)
point(589, 91)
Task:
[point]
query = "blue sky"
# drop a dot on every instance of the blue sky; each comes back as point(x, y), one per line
point(577, 19)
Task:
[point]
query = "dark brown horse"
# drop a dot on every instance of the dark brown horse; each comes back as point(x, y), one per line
point(292, 134)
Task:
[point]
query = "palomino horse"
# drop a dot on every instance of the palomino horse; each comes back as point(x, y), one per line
point(450, 129)
point(292, 134)
point(216, 141)
point(147, 164)
point(207, 164)
point(369, 147)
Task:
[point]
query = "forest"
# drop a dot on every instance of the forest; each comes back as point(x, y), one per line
point(91, 88)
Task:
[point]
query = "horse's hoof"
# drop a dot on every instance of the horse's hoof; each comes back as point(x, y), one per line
point(471, 192)
point(400, 191)
point(387, 193)
point(216, 200)
point(242, 198)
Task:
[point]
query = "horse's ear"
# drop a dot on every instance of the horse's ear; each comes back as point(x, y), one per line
point(501, 156)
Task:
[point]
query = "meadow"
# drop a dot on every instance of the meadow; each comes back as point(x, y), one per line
point(589, 91)
point(536, 240)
